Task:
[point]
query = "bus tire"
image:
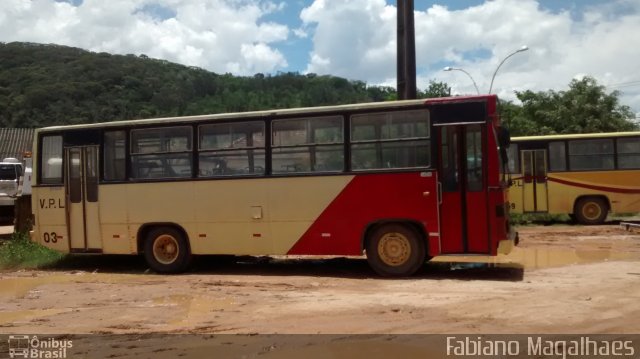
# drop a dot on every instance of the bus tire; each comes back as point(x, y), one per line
point(395, 250)
point(166, 250)
point(590, 210)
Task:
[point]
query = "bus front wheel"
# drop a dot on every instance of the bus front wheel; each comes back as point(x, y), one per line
point(591, 210)
point(166, 250)
point(395, 250)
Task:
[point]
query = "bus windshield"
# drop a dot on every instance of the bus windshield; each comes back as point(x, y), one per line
point(8, 173)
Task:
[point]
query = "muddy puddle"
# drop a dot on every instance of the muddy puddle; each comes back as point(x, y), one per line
point(25, 287)
point(191, 308)
point(543, 257)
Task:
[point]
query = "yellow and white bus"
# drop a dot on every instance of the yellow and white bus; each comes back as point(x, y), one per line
point(403, 181)
point(583, 175)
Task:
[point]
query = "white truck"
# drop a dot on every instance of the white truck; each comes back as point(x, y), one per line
point(11, 178)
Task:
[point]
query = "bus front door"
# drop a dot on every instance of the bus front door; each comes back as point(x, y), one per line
point(463, 209)
point(534, 181)
point(81, 182)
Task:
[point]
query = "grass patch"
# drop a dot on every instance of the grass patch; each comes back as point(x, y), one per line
point(19, 252)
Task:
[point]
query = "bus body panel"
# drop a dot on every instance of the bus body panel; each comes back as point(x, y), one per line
point(621, 189)
point(49, 207)
point(303, 215)
point(371, 199)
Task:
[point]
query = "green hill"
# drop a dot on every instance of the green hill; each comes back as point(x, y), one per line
point(42, 85)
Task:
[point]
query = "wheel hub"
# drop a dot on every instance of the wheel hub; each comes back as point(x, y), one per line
point(394, 249)
point(591, 211)
point(165, 249)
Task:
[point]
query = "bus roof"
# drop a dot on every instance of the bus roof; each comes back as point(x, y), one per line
point(575, 136)
point(269, 113)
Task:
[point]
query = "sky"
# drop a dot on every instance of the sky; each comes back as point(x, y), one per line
point(356, 39)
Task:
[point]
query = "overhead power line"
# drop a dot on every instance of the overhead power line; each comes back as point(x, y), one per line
point(625, 84)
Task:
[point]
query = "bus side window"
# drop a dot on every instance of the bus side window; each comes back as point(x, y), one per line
point(557, 156)
point(596, 154)
point(628, 153)
point(114, 156)
point(163, 152)
point(474, 158)
point(229, 149)
point(449, 149)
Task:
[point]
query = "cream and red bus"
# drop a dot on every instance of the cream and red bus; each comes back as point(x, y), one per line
point(400, 181)
point(583, 175)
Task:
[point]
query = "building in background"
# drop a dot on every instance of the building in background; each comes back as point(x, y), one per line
point(14, 142)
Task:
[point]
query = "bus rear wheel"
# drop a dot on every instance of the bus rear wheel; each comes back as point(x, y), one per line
point(166, 250)
point(395, 250)
point(591, 210)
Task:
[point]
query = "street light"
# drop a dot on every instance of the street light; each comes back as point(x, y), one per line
point(522, 49)
point(458, 69)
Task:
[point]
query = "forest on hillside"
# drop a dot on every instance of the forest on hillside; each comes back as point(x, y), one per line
point(43, 85)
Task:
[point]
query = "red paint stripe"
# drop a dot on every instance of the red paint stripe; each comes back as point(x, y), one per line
point(595, 187)
point(366, 199)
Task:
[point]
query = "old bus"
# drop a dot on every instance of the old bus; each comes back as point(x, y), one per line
point(585, 175)
point(402, 181)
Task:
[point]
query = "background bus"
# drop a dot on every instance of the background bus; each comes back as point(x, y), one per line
point(584, 175)
point(403, 181)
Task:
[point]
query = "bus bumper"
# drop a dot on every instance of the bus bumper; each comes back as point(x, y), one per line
point(506, 246)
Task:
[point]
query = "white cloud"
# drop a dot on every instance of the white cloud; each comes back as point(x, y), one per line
point(301, 33)
point(356, 39)
point(352, 38)
point(218, 35)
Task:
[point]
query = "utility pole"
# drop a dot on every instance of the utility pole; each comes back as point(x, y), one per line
point(406, 56)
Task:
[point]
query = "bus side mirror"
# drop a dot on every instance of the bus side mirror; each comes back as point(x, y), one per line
point(504, 138)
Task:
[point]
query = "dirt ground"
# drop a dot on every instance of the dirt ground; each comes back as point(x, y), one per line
point(561, 279)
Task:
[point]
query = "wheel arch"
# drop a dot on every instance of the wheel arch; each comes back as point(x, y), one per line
point(144, 230)
point(417, 226)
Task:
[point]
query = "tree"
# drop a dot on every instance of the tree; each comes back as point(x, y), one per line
point(436, 89)
point(585, 108)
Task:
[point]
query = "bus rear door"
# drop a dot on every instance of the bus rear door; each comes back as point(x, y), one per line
point(463, 211)
point(81, 183)
point(534, 181)
point(461, 129)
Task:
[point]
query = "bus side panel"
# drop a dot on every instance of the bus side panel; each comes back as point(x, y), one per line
point(499, 216)
point(117, 236)
point(496, 196)
point(478, 222)
point(239, 216)
point(368, 199)
point(296, 203)
point(48, 205)
point(619, 187)
point(259, 216)
point(515, 196)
